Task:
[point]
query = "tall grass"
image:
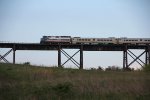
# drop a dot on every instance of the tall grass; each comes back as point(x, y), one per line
point(25, 82)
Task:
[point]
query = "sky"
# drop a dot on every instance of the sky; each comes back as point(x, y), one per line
point(29, 20)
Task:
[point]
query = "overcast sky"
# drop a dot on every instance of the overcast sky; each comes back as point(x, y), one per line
point(29, 20)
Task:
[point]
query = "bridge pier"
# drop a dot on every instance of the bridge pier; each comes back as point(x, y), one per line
point(81, 57)
point(127, 52)
point(79, 65)
point(125, 58)
point(59, 56)
point(14, 54)
point(147, 57)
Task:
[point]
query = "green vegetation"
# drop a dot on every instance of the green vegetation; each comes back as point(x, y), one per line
point(26, 82)
point(146, 68)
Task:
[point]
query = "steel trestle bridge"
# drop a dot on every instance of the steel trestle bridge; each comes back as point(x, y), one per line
point(125, 48)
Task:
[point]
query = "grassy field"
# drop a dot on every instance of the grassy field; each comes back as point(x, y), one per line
point(25, 82)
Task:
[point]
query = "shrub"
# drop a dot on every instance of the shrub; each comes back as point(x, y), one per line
point(113, 68)
point(26, 63)
point(100, 68)
point(146, 68)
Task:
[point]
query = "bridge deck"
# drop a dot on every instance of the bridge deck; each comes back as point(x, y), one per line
point(86, 47)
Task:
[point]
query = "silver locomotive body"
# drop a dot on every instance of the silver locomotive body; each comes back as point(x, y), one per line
point(55, 39)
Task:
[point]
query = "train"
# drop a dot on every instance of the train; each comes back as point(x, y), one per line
point(79, 40)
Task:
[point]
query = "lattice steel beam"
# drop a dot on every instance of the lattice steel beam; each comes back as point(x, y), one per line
point(3, 57)
point(70, 58)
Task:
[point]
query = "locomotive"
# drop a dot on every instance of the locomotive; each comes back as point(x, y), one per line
point(79, 40)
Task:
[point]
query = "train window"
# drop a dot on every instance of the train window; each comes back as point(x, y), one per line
point(76, 37)
point(140, 39)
